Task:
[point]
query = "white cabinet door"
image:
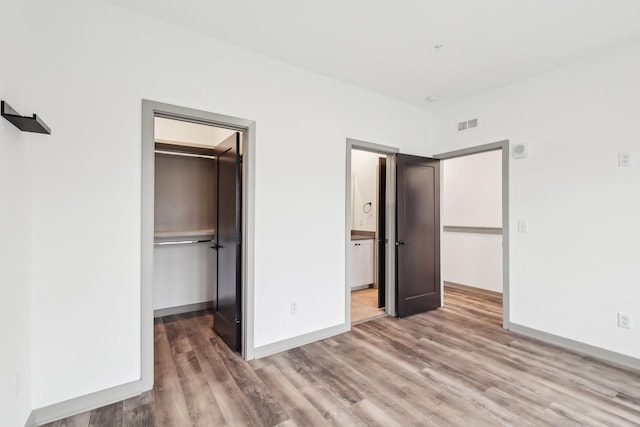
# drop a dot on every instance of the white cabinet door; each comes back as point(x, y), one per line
point(361, 262)
point(366, 253)
point(355, 265)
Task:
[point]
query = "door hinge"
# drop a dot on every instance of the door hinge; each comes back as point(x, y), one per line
point(241, 158)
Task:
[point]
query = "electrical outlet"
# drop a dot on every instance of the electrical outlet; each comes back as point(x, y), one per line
point(293, 307)
point(624, 320)
point(523, 226)
point(624, 158)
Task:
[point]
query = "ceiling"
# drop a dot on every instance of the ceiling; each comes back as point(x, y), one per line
point(189, 134)
point(387, 47)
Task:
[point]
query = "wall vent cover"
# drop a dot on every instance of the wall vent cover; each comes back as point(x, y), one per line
point(467, 124)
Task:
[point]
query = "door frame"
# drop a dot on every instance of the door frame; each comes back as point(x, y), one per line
point(390, 209)
point(494, 146)
point(150, 110)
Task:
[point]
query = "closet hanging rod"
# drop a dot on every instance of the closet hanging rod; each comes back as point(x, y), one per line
point(181, 242)
point(177, 153)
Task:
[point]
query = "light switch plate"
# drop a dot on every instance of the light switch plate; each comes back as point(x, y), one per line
point(523, 226)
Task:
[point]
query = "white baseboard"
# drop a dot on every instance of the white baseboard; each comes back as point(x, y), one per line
point(170, 311)
point(586, 349)
point(70, 407)
point(277, 347)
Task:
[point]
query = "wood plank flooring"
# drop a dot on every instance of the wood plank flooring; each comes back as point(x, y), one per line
point(364, 305)
point(450, 367)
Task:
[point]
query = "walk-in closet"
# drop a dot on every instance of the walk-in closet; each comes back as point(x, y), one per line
point(185, 204)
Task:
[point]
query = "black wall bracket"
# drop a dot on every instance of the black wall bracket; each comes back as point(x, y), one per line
point(24, 123)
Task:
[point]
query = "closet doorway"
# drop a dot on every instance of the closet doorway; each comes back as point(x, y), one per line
point(197, 223)
point(475, 232)
point(197, 211)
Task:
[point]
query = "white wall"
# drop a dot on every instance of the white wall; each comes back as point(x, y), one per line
point(578, 264)
point(472, 190)
point(364, 189)
point(182, 274)
point(92, 66)
point(472, 197)
point(472, 259)
point(15, 280)
point(15, 229)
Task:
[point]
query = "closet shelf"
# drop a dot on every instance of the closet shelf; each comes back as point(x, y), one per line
point(24, 123)
point(182, 233)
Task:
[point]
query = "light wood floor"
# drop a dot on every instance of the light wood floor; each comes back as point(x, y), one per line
point(364, 305)
point(450, 367)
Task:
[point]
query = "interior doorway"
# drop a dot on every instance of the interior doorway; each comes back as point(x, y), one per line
point(197, 211)
point(368, 234)
point(370, 227)
point(197, 219)
point(475, 232)
point(410, 238)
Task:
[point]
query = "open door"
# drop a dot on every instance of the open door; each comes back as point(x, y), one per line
point(227, 310)
point(418, 235)
point(382, 231)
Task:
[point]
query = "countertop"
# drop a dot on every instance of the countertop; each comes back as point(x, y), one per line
point(362, 235)
point(361, 238)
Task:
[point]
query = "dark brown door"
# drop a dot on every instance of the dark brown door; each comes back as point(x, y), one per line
point(382, 230)
point(227, 310)
point(418, 235)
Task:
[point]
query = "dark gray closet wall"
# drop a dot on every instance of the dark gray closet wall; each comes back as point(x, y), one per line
point(184, 212)
point(184, 194)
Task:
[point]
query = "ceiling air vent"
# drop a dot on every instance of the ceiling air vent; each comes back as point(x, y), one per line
point(469, 124)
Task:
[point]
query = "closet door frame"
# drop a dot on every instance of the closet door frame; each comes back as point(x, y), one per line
point(151, 110)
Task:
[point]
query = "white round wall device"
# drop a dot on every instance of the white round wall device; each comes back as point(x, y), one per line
point(519, 151)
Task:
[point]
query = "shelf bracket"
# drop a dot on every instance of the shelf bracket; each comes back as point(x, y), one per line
point(24, 123)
